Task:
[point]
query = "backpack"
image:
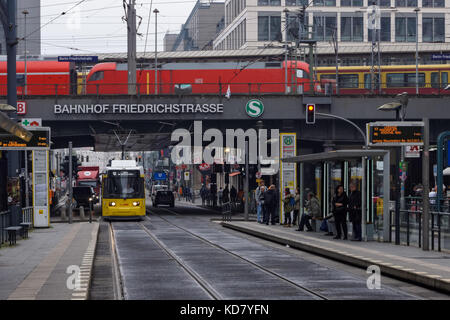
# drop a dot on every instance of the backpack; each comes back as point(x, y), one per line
point(292, 202)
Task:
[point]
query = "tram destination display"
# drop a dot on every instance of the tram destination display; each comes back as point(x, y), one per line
point(405, 133)
point(39, 141)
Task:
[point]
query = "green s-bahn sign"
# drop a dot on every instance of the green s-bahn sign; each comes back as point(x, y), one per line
point(254, 108)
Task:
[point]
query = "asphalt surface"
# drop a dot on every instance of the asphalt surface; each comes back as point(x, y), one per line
point(180, 254)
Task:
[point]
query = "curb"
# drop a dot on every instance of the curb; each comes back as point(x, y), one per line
point(82, 293)
point(396, 271)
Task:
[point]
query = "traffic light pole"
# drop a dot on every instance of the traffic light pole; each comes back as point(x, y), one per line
point(70, 183)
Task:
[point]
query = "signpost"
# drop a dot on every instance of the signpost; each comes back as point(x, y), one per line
point(395, 134)
point(159, 176)
point(288, 171)
point(40, 188)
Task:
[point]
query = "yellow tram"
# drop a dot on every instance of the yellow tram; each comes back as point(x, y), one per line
point(123, 191)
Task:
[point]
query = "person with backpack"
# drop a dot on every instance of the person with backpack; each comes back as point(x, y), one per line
point(289, 203)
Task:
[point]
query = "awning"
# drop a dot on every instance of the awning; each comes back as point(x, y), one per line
point(234, 173)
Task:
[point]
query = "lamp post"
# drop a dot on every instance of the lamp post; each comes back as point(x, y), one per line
point(399, 107)
point(25, 13)
point(416, 10)
point(156, 11)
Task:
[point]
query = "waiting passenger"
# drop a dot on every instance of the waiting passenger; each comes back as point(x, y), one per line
point(340, 202)
point(312, 212)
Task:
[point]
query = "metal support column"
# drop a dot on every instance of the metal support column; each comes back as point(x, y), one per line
point(131, 56)
point(426, 186)
point(386, 197)
point(246, 198)
point(363, 200)
point(70, 183)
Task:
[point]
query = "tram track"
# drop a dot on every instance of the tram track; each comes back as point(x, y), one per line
point(256, 265)
point(117, 279)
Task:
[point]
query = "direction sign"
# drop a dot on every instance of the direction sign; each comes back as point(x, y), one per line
point(159, 176)
point(39, 141)
point(78, 59)
point(406, 133)
point(21, 107)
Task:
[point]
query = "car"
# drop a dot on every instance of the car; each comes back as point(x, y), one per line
point(163, 197)
point(83, 196)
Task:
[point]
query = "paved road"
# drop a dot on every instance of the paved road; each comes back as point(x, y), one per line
point(179, 254)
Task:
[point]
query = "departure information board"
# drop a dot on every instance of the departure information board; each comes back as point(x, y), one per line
point(39, 141)
point(404, 133)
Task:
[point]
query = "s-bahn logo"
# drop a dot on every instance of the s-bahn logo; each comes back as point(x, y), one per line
point(288, 141)
point(254, 108)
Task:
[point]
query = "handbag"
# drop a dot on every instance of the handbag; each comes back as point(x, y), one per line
point(324, 226)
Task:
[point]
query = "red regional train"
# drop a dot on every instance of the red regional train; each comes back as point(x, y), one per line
point(206, 77)
point(43, 78)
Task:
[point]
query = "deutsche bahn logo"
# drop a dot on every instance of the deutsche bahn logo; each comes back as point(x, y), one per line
point(254, 108)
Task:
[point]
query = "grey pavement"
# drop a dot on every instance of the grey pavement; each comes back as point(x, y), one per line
point(36, 267)
point(429, 268)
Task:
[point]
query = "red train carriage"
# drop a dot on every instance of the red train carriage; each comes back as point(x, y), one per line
point(43, 78)
point(207, 77)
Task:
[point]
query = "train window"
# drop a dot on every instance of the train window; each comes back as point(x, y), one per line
point(404, 79)
point(99, 75)
point(348, 81)
point(435, 79)
point(444, 79)
point(328, 77)
point(368, 81)
point(411, 79)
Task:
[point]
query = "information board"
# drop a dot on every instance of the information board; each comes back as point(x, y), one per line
point(39, 141)
point(288, 171)
point(41, 215)
point(404, 133)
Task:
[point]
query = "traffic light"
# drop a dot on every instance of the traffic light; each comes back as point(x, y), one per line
point(310, 113)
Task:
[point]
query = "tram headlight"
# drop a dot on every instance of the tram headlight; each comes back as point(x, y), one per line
point(112, 204)
point(136, 203)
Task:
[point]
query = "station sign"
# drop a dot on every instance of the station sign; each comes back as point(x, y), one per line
point(395, 133)
point(78, 59)
point(21, 107)
point(31, 122)
point(440, 56)
point(39, 141)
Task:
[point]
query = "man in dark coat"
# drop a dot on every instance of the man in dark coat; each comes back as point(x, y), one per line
point(354, 210)
point(340, 203)
point(270, 203)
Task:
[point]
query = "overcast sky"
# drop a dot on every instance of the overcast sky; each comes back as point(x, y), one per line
point(97, 26)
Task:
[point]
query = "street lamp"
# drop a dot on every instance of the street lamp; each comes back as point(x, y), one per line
point(399, 107)
point(156, 11)
point(25, 13)
point(416, 10)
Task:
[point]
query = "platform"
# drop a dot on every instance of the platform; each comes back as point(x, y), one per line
point(38, 268)
point(426, 268)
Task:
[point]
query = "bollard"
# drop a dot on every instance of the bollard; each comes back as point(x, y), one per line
point(63, 213)
point(81, 213)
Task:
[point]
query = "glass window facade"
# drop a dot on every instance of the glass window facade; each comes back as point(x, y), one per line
point(325, 3)
point(296, 2)
point(406, 3)
point(405, 29)
point(352, 28)
point(385, 31)
point(324, 26)
point(269, 2)
point(269, 27)
point(351, 3)
point(433, 29)
point(433, 3)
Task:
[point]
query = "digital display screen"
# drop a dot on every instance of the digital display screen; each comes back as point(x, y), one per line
point(39, 140)
point(395, 135)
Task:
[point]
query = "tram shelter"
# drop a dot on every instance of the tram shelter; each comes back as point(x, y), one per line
point(370, 169)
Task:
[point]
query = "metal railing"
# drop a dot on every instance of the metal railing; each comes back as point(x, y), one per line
point(411, 221)
point(219, 88)
point(5, 222)
point(27, 215)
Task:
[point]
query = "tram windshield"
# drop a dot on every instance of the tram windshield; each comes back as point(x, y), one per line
point(124, 184)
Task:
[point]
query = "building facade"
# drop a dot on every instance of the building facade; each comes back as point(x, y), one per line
point(262, 23)
point(201, 27)
point(33, 25)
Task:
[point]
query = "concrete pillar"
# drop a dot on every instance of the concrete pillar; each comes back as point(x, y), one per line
point(82, 217)
point(63, 213)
